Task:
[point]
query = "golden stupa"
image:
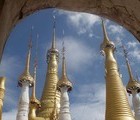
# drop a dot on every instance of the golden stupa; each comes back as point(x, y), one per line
point(117, 106)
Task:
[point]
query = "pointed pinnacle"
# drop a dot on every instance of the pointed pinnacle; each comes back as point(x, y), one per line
point(54, 41)
point(35, 69)
point(34, 100)
point(128, 65)
point(36, 50)
point(27, 66)
point(64, 81)
point(28, 56)
point(106, 39)
point(63, 61)
point(26, 74)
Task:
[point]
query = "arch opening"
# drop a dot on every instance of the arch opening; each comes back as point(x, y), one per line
point(85, 53)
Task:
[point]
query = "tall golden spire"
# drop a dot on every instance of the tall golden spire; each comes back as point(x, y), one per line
point(117, 106)
point(64, 81)
point(49, 92)
point(132, 84)
point(26, 74)
point(2, 93)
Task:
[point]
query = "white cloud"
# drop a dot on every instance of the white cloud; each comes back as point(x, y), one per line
point(8, 65)
point(9, 68)
point(117, 32)
point(118, 41)
point(10, 115)
point(91, 35)
point(134, 50)
point(83, 22)
point(90, 92)
point(11, 98)
point(91, 103)
point(116, 29)
point(88, 111)
point(135, 54)
point(77, 53)
point(132, 44)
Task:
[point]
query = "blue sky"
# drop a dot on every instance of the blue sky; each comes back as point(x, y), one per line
point(85, 65)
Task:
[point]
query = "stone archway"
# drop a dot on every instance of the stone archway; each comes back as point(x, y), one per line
point(124, 12)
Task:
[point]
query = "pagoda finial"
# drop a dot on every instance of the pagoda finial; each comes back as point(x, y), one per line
point(64, 81)
point(54, 41)
point(26, 74)
point(104, 32)
point(53, 49)
point(132, 84)
point(106, 41)
point(29, 53)
point(33, 96)
point(63, 61)
point(35, 69)
point(127, 62)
